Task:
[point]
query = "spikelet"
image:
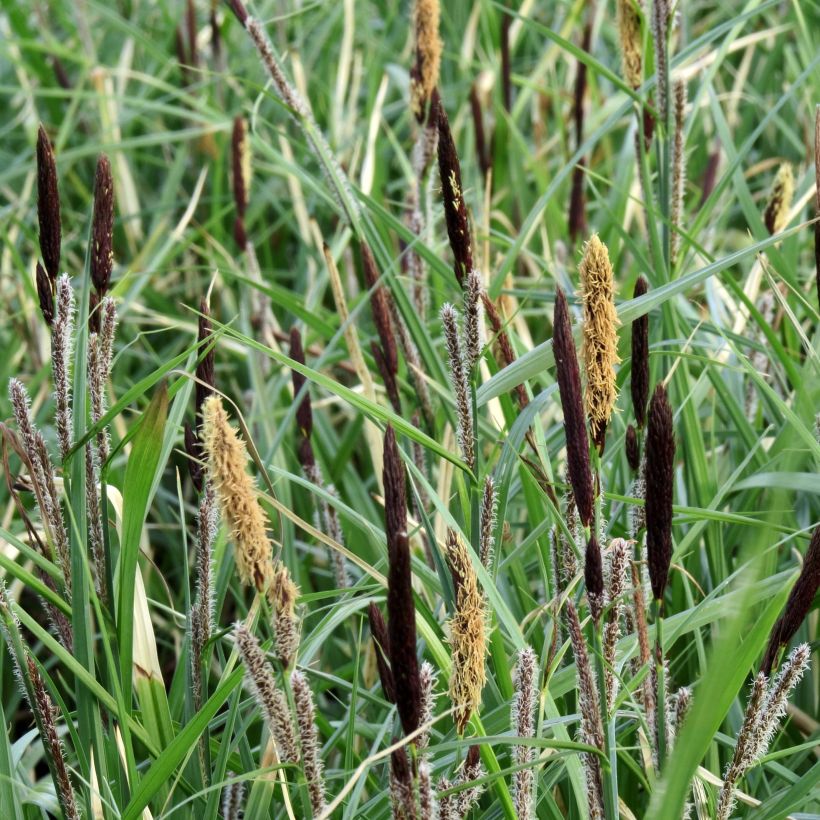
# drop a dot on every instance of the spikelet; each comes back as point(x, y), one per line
point(594, 578)
point(99, 369)
point(378, 631)
point(45, 294)
point(48, 205)
point(236, 492)
point(428, 808)
point(429, 678)
point(660, 468)
point(489, 503)
point(591, 731)
point(401, 610)
point(660, 38)
point(233, 798)
point(472, 320)
point(270, 700)
point(678, 170)
point(455, 209)
point(309, 741)
point(798, 604)
point(468, 638)
point(599, 350)
point(102, 227)
point(780, 199)
point(461, 388)
point(424, 74)
point(402, 799)
point(202, 611)
point(470, 772)
point(241, 170)
point(523, 709)
point(629, 33)
point(618, 558)
point(569, 387)
point(640, 358)
point(282, 594)
point(62, 345)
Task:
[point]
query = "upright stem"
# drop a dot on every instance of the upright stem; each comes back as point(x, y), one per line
point(660, 673)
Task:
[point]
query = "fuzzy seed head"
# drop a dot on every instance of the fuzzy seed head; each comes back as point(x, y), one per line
point(468, 638)
point(309, 741)
point(236, 492)
point(429, 679)
point(472, 320)
point(599, 350)
point(489, 504)
point(424, 74)
point(282, 594)
point(523, 710)
point(459, 381)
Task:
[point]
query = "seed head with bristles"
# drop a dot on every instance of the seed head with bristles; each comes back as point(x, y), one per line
point(660, 469)
point(489, 502)
point(629, 33)
point(102, 227)
point(429, 679)
point(455, 209)
point(402, 797)
point(468, 638)
point(48, 205)
point(472, 320)
point(270, 699)
point(461, 388)
point(523, 712)
point(569, 386)
point(309, 741)
point(424, 73)
point(660, 39)
point(236, 492)
point(282, 594)
point(401, 610)
point(780, 199)
point(678, 169)
point(618, 560)
point(233, 798)
point(592, 731)
point(600, 337)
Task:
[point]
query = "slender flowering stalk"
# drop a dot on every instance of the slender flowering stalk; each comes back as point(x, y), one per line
point(401, 610)
point(472, 320)
point(424, 73)
point(592, 731)
point(204, 387)
point(629, 34)
point(678, 169)
point(599, 349)
point(455, 209)
point(660, 39)
point(48, 205)
point(461, 387)
point(378, 631)
point(798, 605)
point(660, 467)
point(577, 208)
point(282, 594)
point(489, 503)
point(523, 709)
point(569, 386)
point(102, 227)
point(780, 200)
point(62, 345)
point(269, 698)
point(640, 358)
point(309, 741)
point(233, 798)
point(236, 492)
point(468, 638)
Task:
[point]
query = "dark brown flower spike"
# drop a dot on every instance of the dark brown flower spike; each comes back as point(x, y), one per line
point(633, 452)
point(594, 577)
point(381, 311)
point(640, 358)
point(660, 469)
point(205, 373)
point(378, 630)
point(239, 165)
point(569, 386)
point(481, 151)
point(193, 449)
point(798, 604)
point(48, 205)
point(45, 294)
point(102, 228)
point(455, 209)
point(304, 412)
point(401, 623)
point(577, 208)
